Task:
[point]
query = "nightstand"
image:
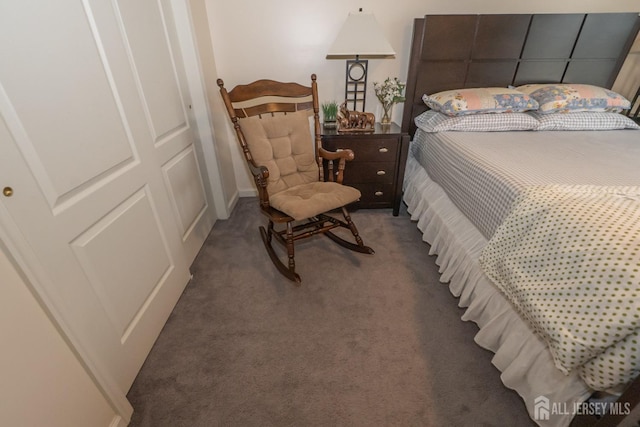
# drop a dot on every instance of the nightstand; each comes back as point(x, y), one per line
point(378, 168)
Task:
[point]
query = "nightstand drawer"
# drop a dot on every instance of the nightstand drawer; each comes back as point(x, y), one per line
point(379, 150)
point(375, 194)
point(368, 150)
point(378, 172)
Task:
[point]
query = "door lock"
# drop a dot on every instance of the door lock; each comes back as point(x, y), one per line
point(7, 191)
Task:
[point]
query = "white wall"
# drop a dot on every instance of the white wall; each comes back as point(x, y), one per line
point(218, 117)
point(629, 77)
point(288, 39)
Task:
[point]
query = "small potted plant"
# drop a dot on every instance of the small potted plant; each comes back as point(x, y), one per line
point(330, 113)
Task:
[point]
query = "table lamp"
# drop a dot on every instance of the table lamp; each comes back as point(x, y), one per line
point(360, 36)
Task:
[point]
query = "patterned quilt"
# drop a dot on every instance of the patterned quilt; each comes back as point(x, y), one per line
point(568, 257)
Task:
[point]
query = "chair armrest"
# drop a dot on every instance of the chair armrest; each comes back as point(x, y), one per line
point(258, 172)
point(341, 156)
point(261, 178)
point(345, 154)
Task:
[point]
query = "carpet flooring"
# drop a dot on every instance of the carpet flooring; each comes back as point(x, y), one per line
point(367, 340)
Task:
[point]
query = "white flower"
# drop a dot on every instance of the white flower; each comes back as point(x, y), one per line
point(390, 91)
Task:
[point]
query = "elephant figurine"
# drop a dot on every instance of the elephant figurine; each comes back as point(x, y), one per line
point(354, 120)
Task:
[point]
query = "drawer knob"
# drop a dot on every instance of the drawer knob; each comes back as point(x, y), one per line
point(383, 149)
point(378, 193)
point(381, 173)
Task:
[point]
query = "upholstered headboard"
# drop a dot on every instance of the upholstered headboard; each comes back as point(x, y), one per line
point(458, 51)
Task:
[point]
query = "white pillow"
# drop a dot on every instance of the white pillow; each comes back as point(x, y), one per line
point(433, 121)
point(586, 120)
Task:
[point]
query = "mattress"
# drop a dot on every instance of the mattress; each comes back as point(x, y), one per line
point(458, 187)
point(483, 172)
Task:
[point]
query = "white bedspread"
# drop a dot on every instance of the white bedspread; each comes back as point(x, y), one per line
point(568, 258)
point(460, 186)
point(521, 356)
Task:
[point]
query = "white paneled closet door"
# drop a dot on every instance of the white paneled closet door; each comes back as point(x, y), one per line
point(102, 192)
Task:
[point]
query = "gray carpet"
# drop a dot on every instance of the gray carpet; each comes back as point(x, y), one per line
point(367, 340)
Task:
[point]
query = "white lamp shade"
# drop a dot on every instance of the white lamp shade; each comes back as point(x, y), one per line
point(360, 35)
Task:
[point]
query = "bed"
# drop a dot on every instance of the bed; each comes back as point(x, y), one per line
point(465, 184)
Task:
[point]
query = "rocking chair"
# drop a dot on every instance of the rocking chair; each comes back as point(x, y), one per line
point(271, 120)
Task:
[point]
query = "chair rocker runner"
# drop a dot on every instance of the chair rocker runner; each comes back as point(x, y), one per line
point(271, 120)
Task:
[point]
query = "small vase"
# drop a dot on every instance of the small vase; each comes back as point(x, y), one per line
point(386, 116)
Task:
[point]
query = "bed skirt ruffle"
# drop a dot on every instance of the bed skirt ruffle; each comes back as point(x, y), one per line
point(522, 357)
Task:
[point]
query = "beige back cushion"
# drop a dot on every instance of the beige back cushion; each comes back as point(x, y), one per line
point(283, 144)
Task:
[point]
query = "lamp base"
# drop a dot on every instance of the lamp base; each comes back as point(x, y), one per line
point(355, 87)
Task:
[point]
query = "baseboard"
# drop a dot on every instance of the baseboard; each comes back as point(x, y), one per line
point(248, 193)
point(118, 421)
point(233, 201)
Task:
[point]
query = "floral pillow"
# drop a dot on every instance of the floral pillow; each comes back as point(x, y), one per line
point(480, 101)
point(571, 98)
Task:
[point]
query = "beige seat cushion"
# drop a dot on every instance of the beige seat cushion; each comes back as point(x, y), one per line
point(308, 200)
point(283, 144)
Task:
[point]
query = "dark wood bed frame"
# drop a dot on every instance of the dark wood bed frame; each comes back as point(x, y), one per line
point(461, 51)
point(464, 51)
